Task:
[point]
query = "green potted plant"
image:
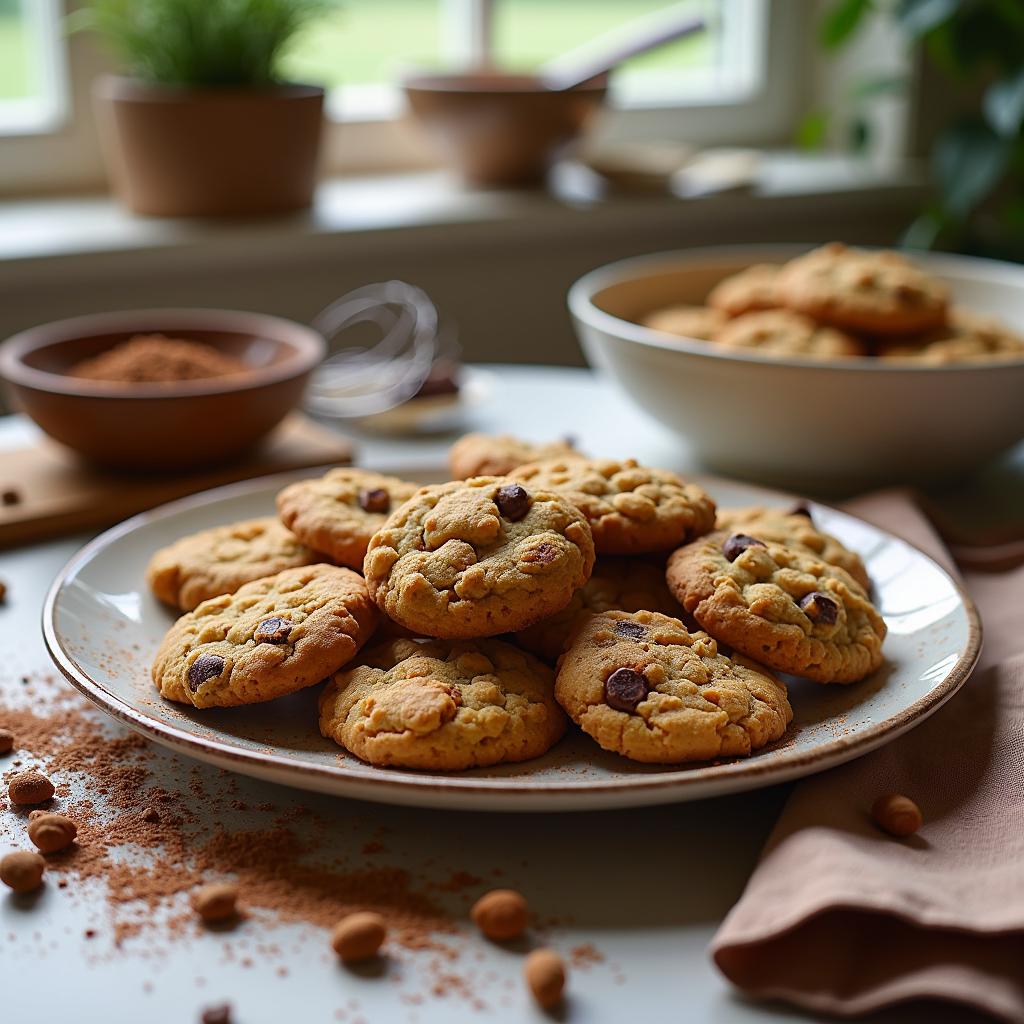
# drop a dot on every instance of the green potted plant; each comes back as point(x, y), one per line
point(201, 124)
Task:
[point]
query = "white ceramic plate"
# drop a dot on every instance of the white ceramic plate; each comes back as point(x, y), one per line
point(102, 627)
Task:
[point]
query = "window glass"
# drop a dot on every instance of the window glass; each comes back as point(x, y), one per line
point(29, 52)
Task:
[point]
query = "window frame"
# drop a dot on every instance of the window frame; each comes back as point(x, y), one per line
point(68, 158)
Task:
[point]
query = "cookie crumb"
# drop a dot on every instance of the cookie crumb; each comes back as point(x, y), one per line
point(29, 788)
point(545, 975)
point(51, 832)
point(359, 936)
point(215, 902)
point(6, 741)
point(897, 814)
point(500, 914)
point(22, 870)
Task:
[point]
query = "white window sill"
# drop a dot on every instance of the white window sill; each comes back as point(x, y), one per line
point(60, 231)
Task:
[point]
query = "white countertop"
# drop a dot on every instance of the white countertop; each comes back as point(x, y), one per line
point(647, 888)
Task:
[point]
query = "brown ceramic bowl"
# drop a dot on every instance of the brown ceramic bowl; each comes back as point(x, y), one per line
point(501, 129)
point(163, 427)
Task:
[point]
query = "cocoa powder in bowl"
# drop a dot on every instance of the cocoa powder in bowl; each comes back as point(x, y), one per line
point(154, 358)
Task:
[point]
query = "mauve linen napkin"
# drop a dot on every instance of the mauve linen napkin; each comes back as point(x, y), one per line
point(840, 918)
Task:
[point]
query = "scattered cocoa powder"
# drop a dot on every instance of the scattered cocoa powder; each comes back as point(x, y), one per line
point(153, 358)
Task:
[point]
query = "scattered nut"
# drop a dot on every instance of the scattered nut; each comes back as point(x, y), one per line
point(359, 936)
point(22, 870)
point(215, 902)
point(6, 741)
point(500, 914)
point(545, 974)
point(51, 832)
point(897, 814)
point(150, 814)
point(29, 788)
point(220, 1014)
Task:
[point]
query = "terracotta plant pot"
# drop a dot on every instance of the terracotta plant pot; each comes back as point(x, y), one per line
point(210, 153)
point(501, 129)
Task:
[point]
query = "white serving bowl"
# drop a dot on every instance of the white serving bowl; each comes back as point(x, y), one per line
point(809, 424)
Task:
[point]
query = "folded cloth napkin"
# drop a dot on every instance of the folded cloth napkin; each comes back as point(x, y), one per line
point(841, 918)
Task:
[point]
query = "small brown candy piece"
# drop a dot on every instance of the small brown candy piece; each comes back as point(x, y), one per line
point(735, 545)
point(6, 741)
point(897, 814)
point(29, 788)
point(819, 607)
point(629, 630)
point(219, 1014)
point(206, 666)
point(51, 832)
point(273, 631)
point(374, 499)
point(545, 974)
point(500, 914)
point(217, 901)
point(513, 501)
point(22, 870)
point(624, 689)
point(359, 936)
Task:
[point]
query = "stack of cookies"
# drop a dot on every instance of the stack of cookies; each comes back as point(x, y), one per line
point(838, 302)
point(535, 587)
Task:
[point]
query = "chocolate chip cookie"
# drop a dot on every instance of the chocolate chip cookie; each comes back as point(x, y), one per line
point(339, 512)
point(219, 561)
point(479, 557)
point(795, 528)
point(644, 686)
point(631, 509)
point(271, 637)
point(781, 605)
point(875, 292)
point(489, 455)
point(967, 338)
point(781, 332)
point(622, 584)
point(443, 705)
point(700, 322)
point(748, 291)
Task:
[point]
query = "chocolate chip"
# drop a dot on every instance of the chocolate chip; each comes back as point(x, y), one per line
point(819, 607)
point(513, 501)
point(629, 629)
point(624, 689)
point(802, 509)
point(374, 499)
point(542, 553)
point(206, 666)
point(273, 631)
point(738, 543)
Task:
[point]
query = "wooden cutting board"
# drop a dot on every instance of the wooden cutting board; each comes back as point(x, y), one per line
point(59, 494)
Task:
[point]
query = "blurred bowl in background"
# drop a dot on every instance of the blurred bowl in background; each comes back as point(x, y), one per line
point(161, 427)
point(500, 129)
point(836, 426)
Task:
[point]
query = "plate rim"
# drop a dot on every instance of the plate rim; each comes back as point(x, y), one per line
point(646, 788)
